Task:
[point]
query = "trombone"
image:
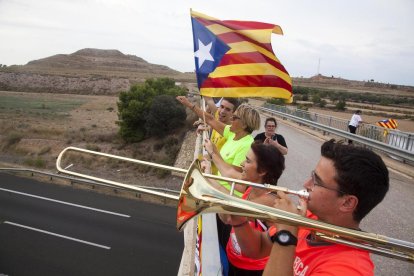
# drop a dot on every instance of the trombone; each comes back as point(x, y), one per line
point(300, 193)
point(197, 197)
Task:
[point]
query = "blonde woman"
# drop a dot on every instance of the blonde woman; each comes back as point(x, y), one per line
point(238, 136)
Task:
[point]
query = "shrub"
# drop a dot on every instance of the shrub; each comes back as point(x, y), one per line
point(277, 101)
point(93, 147)
point(340, 105)
point(322, 103)
point(12, 139)
point(135, 105)
point(165, 115)
point(305, 97)
point(158, 146)
point(37, 162)
point(44, 150)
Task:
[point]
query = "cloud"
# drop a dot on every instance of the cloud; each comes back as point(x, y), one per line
point(351, 38)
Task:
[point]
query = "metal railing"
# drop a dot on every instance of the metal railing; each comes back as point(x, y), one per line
point(395, 143)
point(81, 180)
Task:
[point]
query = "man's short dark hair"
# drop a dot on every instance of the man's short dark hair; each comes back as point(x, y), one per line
point(234, 101)
point(359, 172)
point(269, 160)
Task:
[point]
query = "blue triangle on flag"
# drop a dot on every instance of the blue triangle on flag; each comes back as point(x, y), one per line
point(218, 49)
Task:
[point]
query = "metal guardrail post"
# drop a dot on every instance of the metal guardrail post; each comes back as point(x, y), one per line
point(407, 145)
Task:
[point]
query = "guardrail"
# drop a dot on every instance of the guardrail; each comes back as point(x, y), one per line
point(393, 137)
point(308, 119)
point(84, 181)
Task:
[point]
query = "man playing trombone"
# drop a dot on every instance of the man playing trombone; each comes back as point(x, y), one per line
point(347, 183)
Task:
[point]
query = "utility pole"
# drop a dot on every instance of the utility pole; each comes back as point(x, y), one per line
point(319, 65)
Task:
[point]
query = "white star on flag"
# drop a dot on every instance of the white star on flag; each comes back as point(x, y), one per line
point(203, 53)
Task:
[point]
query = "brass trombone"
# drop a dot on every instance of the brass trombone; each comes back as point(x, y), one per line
point(301, 193)
point(197, 196)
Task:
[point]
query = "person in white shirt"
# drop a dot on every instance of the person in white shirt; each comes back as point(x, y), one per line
point(354, 123)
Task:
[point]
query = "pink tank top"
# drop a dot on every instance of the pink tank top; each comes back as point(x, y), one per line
point(233, 250)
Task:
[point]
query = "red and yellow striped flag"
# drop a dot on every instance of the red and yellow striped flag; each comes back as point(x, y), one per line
point(235, 59)
point(387, 124)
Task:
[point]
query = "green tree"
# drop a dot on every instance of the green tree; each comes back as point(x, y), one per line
point(165, 115)
point(322, 103)
point(134, 106)
point(316, 99)
point(334, 97)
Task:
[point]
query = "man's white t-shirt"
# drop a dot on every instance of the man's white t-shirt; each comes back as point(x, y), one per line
point(355, 120)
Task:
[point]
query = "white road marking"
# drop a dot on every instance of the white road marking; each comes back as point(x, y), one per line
point(57, 235)
point(66, 203)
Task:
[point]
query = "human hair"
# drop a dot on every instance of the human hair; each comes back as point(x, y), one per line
point(358, 112)
point(359, 172)
point(269, 160)
point(271, 119)
point(249, 116)
point(234, 101)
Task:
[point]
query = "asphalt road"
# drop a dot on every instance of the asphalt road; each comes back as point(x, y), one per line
point(393, 217)
point(49, 229)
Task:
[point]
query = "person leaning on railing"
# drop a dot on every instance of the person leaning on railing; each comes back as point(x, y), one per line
point(238, 135)
point(354, 123)
point(223, 113)
point(238, 140)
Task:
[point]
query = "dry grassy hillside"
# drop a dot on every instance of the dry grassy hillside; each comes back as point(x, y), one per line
point(351, 86)
point(87, 71)
point(36, 127)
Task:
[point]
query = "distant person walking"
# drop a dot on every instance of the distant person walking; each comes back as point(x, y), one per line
point(354, 123)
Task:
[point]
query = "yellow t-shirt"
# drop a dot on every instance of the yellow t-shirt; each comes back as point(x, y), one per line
point(219, 141)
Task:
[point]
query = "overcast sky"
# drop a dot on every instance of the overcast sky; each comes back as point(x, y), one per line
point(352, 39)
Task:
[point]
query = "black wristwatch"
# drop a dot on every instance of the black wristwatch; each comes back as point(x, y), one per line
point(285, 238)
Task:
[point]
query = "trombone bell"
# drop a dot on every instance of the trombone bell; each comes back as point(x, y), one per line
point(198, 196)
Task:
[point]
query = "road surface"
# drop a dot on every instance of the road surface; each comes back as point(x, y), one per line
point(48, 229)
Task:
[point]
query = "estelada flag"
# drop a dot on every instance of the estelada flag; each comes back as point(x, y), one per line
point(235, 59)
point(388, 123)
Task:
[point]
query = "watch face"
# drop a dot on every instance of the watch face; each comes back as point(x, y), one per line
point(284, 238)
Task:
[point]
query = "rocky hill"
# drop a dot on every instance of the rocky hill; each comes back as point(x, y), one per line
point(87, 71)
point(340, 84)
point(106, 72)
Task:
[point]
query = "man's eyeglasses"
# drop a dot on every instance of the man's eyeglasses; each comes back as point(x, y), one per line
point(316, 181)
point(235, 117)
